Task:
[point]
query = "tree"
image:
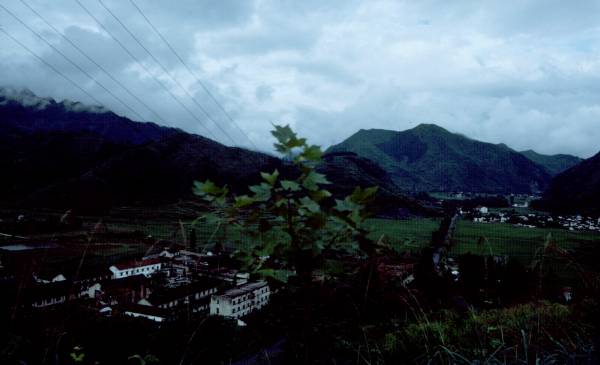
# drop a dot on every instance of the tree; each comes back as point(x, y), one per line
point(289, 218)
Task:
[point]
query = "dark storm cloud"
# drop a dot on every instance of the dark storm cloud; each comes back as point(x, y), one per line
point(525, 73)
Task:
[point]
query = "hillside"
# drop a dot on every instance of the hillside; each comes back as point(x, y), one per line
point(24, 112)
point(576, 190)
point(349, 170)
point(58, 169)
point(554, 164)
point(430, 158)
point(66, 154)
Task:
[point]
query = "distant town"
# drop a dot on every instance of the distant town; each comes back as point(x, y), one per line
point(513, 209)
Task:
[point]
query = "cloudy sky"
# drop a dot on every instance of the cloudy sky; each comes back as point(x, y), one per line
point(526, 73)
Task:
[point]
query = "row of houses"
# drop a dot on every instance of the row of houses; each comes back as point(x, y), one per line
point(533, 220)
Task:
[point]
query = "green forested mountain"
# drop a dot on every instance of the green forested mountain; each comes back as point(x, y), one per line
point(554, 164)
point(576, 190)
point(430, 158)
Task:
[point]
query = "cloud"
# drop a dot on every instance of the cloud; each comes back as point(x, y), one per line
point(525, 74)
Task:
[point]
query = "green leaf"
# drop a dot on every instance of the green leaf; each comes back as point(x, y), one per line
point(312, 153)
point(345, 205)
point(207, 187)
point(286, 139)
point(283, 134)
point(319, 195)
point(295, 142)
point(243, 201)
point(313, 179)
point(290, 185)
point(310, 204)
point(261, 192)
point(270, 178)
point(210, 191)
point(209, 218)
point(362, 196)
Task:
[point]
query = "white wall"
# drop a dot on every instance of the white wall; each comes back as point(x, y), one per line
point(239, 306)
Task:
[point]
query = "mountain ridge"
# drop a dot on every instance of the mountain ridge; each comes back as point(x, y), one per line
point(555, 164)
point(576, 190)
point(91, 158)
point(430, 158)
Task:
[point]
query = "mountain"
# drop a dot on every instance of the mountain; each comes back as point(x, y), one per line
point(430, 158)
point(576, 190)
point(66, 154)
point(24, 112)
point(554, 164)
point(69, 155)
point(349, 170)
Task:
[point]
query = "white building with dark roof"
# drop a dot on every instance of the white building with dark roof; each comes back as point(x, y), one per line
point(147, 312)
point(195, 296)
point(133, 268)
point(241, 301)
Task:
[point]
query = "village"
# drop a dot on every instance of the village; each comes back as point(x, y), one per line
point(532, 219)
point(165, 284)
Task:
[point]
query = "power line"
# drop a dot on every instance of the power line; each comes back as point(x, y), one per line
point(94, 62)
point(167, 72)
point(70, 61)
point(51, 67)
point(160, 83)
point(214, 99)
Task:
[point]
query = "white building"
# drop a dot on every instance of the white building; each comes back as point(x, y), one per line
point(240, 301)
point(195, 296)
point(144, 267)
point(147, 312)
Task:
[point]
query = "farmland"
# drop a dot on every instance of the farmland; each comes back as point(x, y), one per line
point(128, 235)
point(519, 242)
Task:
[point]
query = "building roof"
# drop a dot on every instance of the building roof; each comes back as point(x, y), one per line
point(146, 310)
point(244, 289)
point(166, 295)
point(137, 263)
point(130, 282)
point(162, 246)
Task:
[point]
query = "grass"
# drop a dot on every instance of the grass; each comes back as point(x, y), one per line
point(528, 333)
point(406, 234)
point(518, 242)
point(403, 235)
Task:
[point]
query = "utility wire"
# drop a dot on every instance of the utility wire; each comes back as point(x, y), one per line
point(160, 83)
point(214, 99)
point(136, 39)
point(115, 80)
point(50, 66)
point(71, 62)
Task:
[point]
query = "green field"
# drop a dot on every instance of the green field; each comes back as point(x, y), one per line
point(129, 237)
point(405, 234)
point(506, 239)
